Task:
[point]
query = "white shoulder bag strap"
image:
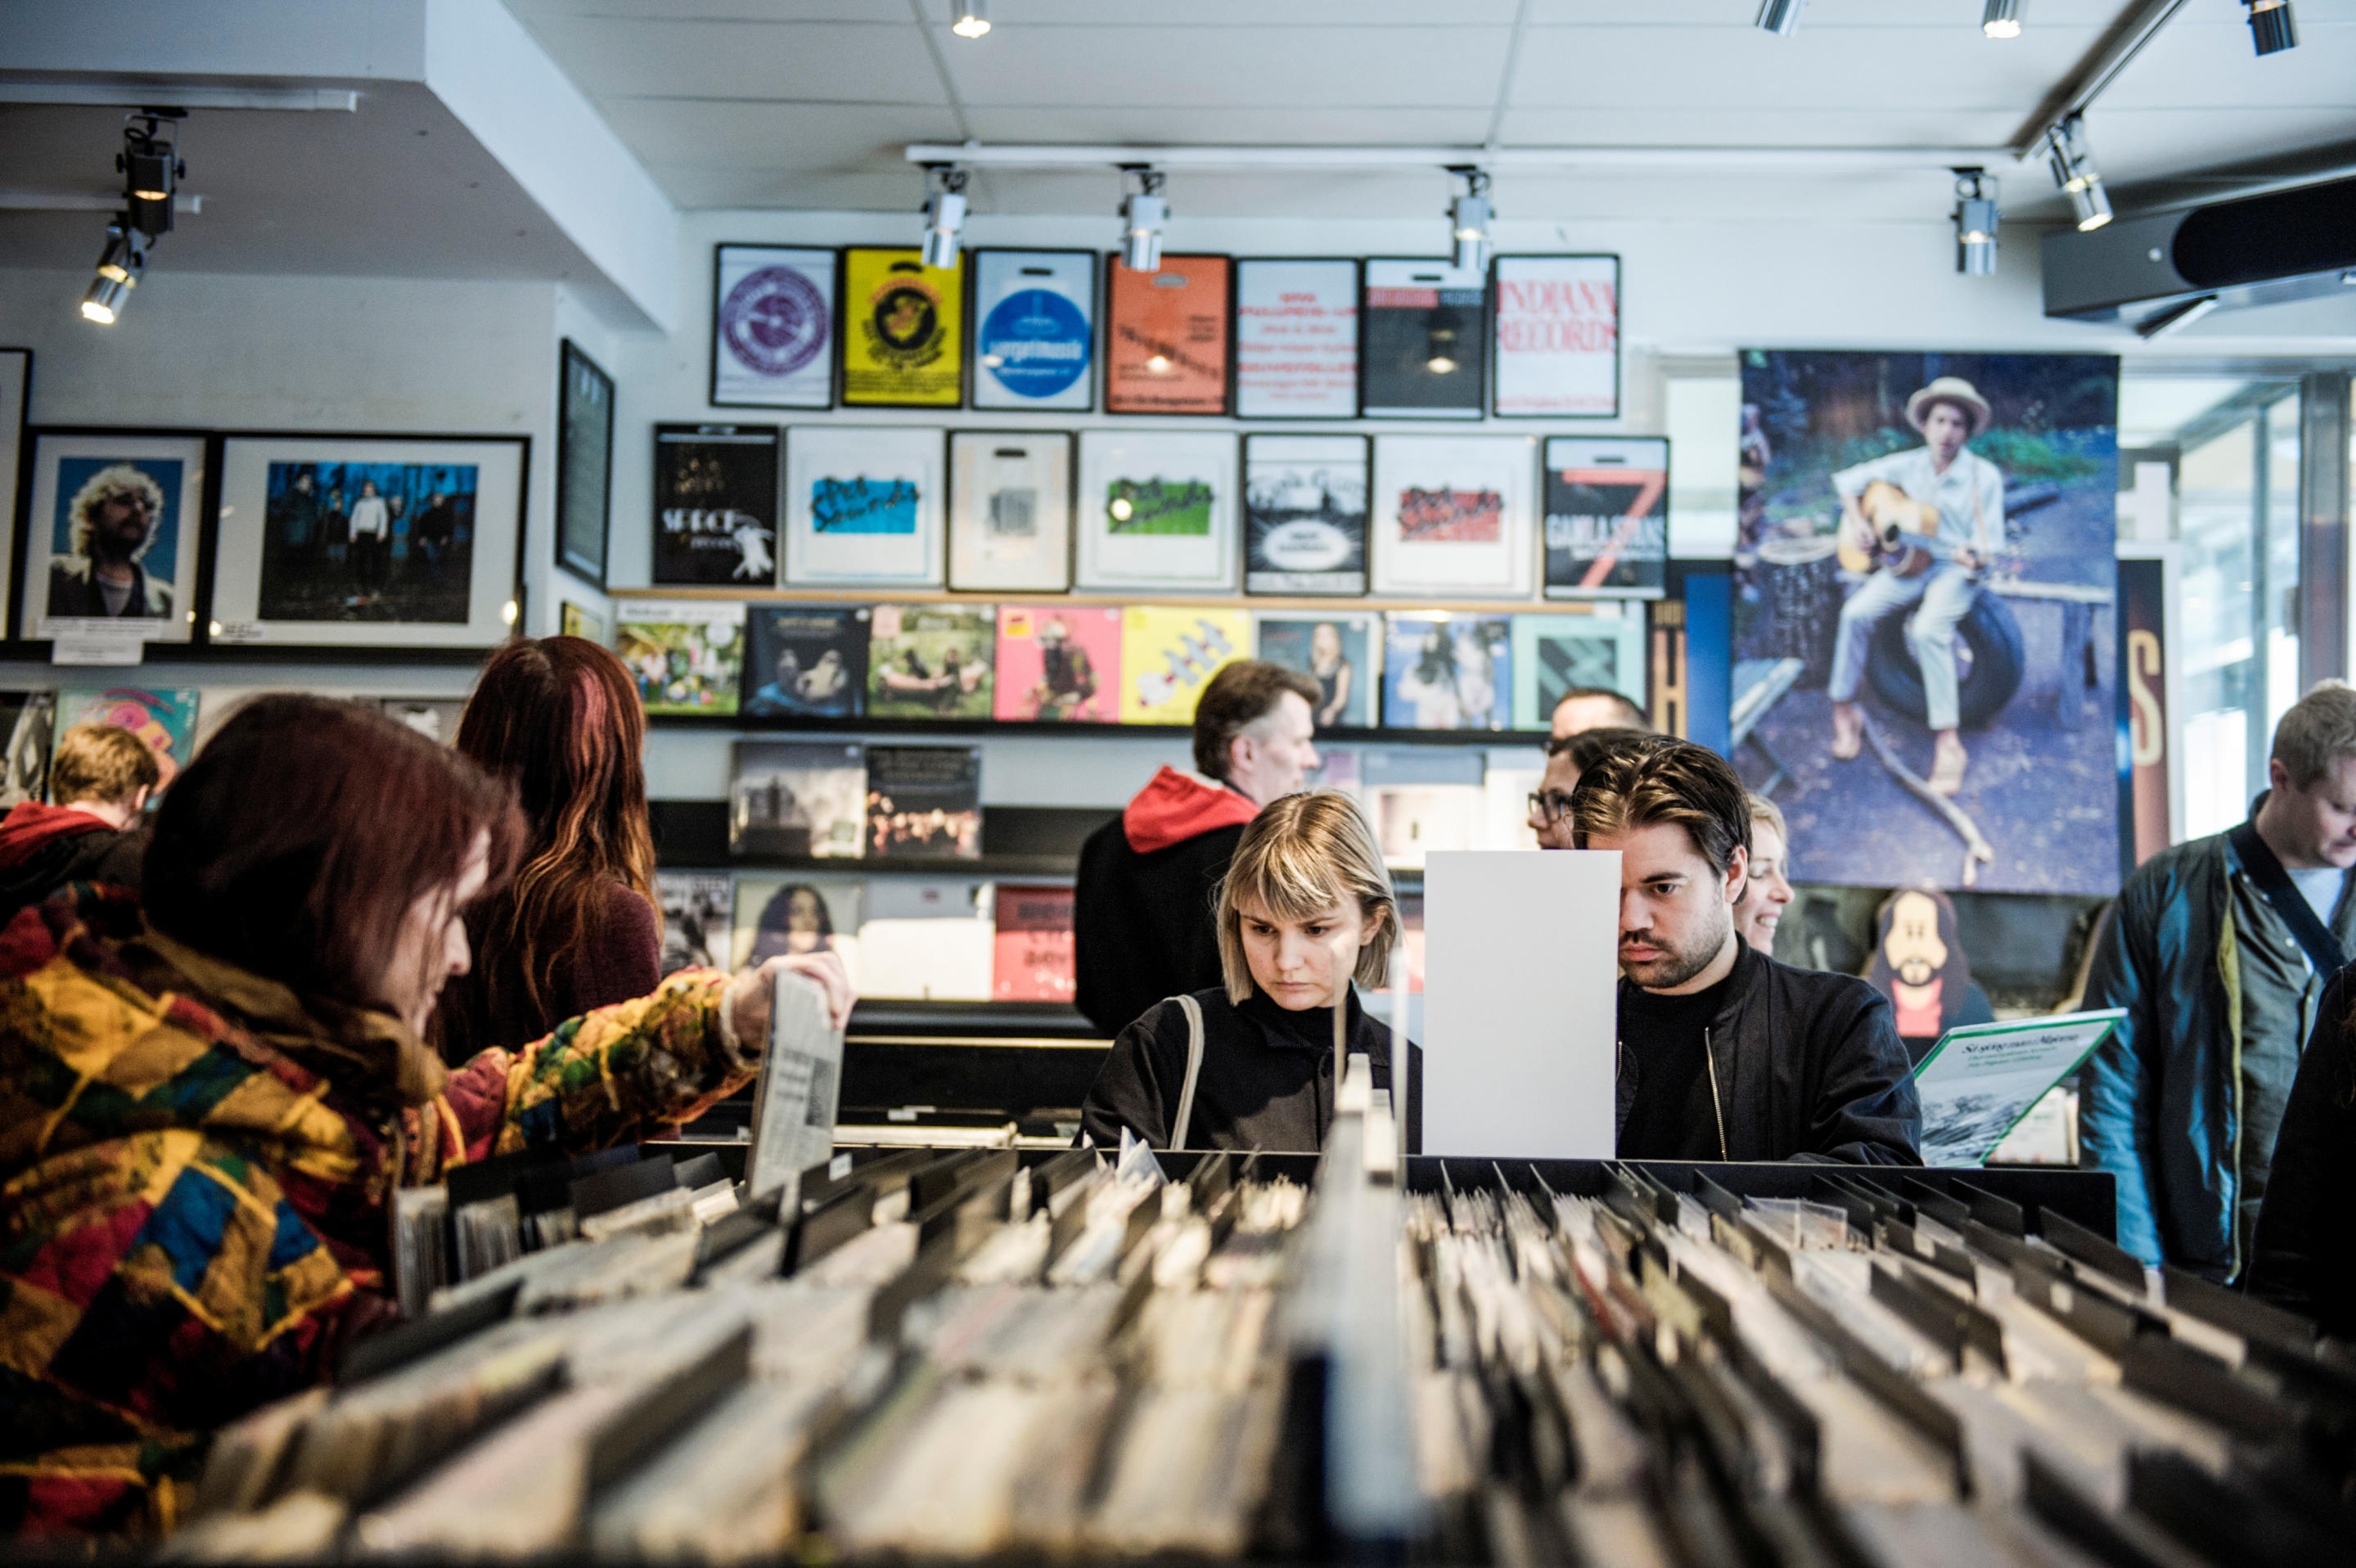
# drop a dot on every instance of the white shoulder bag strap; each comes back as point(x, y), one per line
point(1194, 1011)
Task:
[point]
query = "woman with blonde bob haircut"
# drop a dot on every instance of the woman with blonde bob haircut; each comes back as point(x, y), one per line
point(1306, 908)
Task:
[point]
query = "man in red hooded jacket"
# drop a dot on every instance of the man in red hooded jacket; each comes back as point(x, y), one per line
point(1148, 883)
point(101, 777)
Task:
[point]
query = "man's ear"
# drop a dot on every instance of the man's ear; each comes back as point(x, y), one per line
point(2277, 776)
point(1737, 874)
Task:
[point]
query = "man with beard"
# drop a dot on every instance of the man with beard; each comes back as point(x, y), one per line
point(1724, 1053)
point(113, 516)
point(1066, 677)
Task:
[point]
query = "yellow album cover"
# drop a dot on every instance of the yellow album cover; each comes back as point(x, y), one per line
point(1168, 653)
point(902, 323)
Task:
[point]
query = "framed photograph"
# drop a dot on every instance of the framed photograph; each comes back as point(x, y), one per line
point(1341, 652)
point(1010, 511)
point(369, 540)
point(1444, 671)
point(807, 660)
point(112, 528)
point(863, 507)
point(1167, 335)
point(1557, 336)
point(584, 464)
point(1157, 511)
point(1452, 515)
point(717, 505)
point(904, 329)
point(1034, 330)
point(1607, 517)
point(572, 621)
point(1296, 339)
point(1424, 345)
point(1553, 653)
point(1305, 514)
point(15, 397)
point(1058, 663)
point(773, 327)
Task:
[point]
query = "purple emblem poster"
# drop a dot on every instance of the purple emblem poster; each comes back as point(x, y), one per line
point(772, 327)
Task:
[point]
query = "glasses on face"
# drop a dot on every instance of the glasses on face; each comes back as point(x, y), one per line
point(1549, 806)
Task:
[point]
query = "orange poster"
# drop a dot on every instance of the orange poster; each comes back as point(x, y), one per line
point(1166, 336)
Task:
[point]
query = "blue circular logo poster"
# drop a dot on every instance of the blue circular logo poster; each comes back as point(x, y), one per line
point(1035, 343)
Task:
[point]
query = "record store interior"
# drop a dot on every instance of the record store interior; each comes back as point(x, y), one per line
point(1510, 782)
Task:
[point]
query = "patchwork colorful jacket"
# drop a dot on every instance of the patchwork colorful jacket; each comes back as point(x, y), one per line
point(195, 1166)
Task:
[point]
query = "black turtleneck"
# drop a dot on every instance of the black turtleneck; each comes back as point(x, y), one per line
point(1673, 1116)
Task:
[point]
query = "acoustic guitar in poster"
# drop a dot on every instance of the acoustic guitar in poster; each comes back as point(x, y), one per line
point(1903, 539)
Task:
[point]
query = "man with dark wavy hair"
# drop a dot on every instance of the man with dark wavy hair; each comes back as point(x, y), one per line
point(1724, 1053)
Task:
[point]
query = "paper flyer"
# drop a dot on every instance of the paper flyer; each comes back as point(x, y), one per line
point(1981, 1079)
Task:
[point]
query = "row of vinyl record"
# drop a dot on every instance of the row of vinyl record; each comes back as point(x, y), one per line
point(1138, 664)
point(1158, 512)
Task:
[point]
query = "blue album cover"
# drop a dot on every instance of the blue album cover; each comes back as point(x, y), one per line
point(1448, 671)
point(808, 660)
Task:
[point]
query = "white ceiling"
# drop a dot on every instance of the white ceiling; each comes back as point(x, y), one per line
point(806, 103)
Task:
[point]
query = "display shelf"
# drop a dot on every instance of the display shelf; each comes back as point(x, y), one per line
point(164, 655)
point(751, 724)
point(1117, 598)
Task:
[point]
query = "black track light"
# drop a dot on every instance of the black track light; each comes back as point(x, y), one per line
point(2271, 28)
point(1780, 17)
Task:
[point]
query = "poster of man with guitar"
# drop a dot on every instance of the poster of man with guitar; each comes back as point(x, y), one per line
point(1923, 527)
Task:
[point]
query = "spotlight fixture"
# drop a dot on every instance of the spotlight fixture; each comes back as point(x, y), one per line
point(1780, 17)
point(1975, 220)
point(2271, 28)
point(1142, 214)
point(944, 213)
point(119, 266)
point(1468, 218)
point(2073, 162)
point(2001, 19)
point(972, 18)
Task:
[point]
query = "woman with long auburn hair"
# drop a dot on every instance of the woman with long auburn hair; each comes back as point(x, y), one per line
point(209, 1093)
point(559, 719)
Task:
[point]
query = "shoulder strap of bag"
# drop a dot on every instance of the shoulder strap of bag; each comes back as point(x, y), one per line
point(1194, 1011)
point(2322, 947)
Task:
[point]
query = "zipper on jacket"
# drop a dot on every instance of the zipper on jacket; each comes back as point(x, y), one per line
point(1711, 1057)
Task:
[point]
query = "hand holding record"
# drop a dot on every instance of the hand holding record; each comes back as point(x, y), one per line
point(749, 993)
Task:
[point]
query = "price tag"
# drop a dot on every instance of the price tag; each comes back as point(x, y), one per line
point(95, 640)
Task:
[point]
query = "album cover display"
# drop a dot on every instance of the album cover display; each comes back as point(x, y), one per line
point(1341, 652)
point(163, 717)
point(1296, 339)
point(1448, 671)
point(924, 803)
point(806, 660)
point(1166, 336)
point(1554, 653)
point(1607, 517)
point(1034, 328)
point(772, 325)
point(925, 940)
point(1010, 511)
point(1059, 663)
point(863, 507)
point(687, 655)
point(1168, 653)
point(717, 505)
point(796, 912)
point(1557, 338)
point(30, 720)
point(1454, 514)
point(1426, 340)
point(931, 662)
point(1305, 514)
point(1157, 511)
point(903, 330)
point(798, 800)
point(1032, 961)
point(697, 909)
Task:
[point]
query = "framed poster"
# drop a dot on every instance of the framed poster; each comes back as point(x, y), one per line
point(1034, 330)
point(1167, 335)
point(1305, 514)
point(863, 507)
point(584, 463)
point(16, 396)
point(1156, 511)
point(1424, 344)
point(1557, 336)
point(1607, 517)
point(1296, 339)
point(717, 505)
point(414, 545)
point(1342, 653)
point(903, 330)
point(111, 530)
point(773, 327)
point(1553, 653)
point(1452, 514)
point(1010, 511)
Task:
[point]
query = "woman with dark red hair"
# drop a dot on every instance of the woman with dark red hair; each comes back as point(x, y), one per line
point(209, 1095)
point(559, 718)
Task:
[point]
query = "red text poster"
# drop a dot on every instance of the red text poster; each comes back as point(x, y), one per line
point(1558, 338)
point(1166, 336)
point(1033, 960)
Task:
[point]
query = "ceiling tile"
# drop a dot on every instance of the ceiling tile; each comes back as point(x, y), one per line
point(835, 62)
point(731, 134)
point(1407, 127)
point(1199, 68)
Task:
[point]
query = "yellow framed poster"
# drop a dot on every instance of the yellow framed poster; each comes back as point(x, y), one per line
point(903, 325)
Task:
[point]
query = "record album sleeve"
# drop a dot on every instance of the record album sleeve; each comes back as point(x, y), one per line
point(927, 940)
point(798, 800)
point(924, 803)
point(717, 505)
point(1305, 514)
point(163, 717)
point(1448, 671)
point(1166, 336)
point(29, 722)
point(1034, 942)
point(806, 660)
point(931, 662)
point(1554, 653)
point(1168, 653)
point(1426, 340)
point(1341, 652)
point(686, 655)
point(697, 909)
point(780, 913)
point(1059, 663)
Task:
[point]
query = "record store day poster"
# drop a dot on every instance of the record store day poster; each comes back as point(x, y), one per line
point(1972, 589)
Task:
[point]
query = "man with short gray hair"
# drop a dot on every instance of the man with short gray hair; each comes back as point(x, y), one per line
point(2219, 950)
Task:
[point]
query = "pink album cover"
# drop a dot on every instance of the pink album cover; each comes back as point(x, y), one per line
point(1059, 663)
